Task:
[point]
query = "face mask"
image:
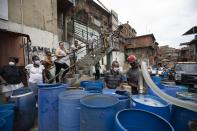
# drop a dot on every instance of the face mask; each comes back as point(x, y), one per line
point(133, 65)
point(37, 62)
point(11, 63)
point(116, 69)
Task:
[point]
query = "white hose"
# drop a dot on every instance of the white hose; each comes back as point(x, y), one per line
point(181, 103)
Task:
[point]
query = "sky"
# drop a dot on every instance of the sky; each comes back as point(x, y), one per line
point(166, 19)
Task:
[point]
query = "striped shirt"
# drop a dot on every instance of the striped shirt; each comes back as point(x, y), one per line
point(113, 79)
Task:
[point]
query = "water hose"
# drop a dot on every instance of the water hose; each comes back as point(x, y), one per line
point(175, 101)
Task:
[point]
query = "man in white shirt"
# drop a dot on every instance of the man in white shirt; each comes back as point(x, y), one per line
point(61, 61)
point(73, 53)
point(92, 44)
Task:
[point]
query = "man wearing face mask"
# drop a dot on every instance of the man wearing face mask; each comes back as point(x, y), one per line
point(35, 73)
point(11, 78)
point(133, 74)
point(113, 77)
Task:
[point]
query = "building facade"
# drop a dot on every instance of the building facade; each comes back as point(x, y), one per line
point(27, 27)
point(168, 55)
point(144, 48)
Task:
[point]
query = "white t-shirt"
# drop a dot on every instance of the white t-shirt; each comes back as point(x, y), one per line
point(35, 73)
point(64, 59)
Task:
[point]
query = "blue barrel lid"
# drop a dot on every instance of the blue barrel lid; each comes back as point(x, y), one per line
point(187, 96)
point(21, 92)
point(51, 86)
point(149, 100)
point(121, 95)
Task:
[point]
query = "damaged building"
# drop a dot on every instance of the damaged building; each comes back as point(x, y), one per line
point(144, 48)
point(33, 27)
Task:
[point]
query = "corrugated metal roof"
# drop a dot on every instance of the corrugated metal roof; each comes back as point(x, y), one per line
point(193, 30)
point(98, 2)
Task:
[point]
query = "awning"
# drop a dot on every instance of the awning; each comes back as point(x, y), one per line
point(186, 43)
point(193, 30)
point(16, 33)
point(194, 41)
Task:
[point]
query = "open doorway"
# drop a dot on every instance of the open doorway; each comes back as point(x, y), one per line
point(12, 45)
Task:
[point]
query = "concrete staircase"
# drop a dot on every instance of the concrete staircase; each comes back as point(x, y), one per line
point(84, 64)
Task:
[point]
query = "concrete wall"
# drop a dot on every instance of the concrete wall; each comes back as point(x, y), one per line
point(38, 37)
point(41, 14)
point(36, 18)
point(119, 56)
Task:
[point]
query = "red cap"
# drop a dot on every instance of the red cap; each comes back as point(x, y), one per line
point(131, 59)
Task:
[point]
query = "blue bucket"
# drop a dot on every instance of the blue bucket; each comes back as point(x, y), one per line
point(152, 104)
point(9, 106)
point(69, 110)
point(2, 124)
point(48, 106)
point(25, 102)
point(8, 116)
point(98, 112)
point(140, 120)
point(123, 96)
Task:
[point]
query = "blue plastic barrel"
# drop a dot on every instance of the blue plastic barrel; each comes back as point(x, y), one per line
point(140, 120)
point(8, 116)
point(92, 85)
point(172, 90)
point(182, 116)
point(9, 106)
point(2, 124)
point(123, 96)
point(98, 112)
point(25, 102)
point(187, 96)
point(153, 104)
point(82, 83)
point(168, 89)
point(48, 106)
point(156, 80)
point(69, 110)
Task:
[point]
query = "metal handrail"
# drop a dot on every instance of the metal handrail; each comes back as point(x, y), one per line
point(70, 65)
point(93, 51)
